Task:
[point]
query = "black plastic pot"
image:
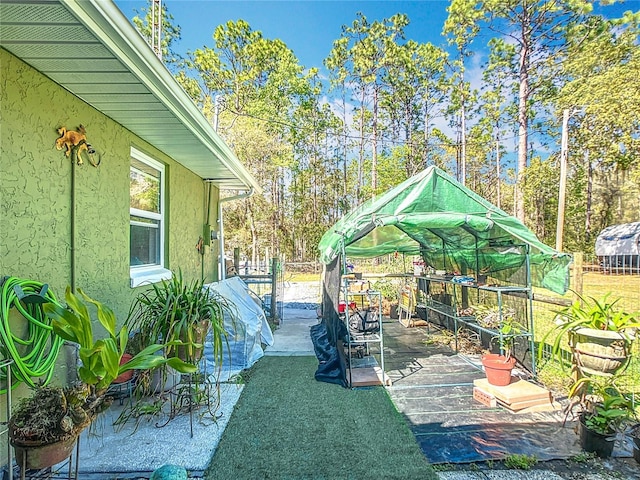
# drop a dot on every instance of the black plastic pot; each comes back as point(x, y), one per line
point(590, 441)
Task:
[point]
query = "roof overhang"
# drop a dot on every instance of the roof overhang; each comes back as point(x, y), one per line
point(92, 50)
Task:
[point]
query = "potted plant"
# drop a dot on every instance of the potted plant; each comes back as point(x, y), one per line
point(498, 366)
point(179, 314)
point(605, 412)
point(600, 335)
point(44, 427)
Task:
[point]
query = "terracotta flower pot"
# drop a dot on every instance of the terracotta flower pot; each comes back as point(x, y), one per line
point(126, 376)
point(37, 456)
point(498, 368)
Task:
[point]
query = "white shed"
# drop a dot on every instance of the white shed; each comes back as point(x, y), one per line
point(618, 248)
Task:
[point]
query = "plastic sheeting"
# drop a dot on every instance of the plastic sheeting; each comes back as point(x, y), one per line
point(245, 333)
point(451, 227)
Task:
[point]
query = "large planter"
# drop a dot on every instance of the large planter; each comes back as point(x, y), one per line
point(590, 441)
point(498, 368)
point(37, 456)
point(599, 352)
point(191, 354)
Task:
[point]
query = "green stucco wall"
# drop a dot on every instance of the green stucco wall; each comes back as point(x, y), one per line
point(38, 183)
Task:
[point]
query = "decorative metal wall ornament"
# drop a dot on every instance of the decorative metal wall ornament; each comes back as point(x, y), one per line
point(75, 145)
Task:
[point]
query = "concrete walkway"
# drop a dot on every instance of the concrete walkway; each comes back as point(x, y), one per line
point(292, 338)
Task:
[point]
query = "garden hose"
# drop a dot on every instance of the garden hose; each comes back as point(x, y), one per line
point(35, 355)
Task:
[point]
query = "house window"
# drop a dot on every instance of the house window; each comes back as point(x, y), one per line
point(147, 220)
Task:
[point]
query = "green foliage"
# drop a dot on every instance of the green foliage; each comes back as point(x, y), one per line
point(314, 164)
point(605, 409)
point(388, 288)
point(100, 359)
point(520, 461)
point(175, 311)
point(143, 22)
point(590, 313)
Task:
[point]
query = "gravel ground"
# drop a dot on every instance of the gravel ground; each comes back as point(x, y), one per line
point(301, 295)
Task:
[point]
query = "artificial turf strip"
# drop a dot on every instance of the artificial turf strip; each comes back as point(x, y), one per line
point(287, 425)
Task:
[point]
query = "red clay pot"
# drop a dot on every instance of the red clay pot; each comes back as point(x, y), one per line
point(37, 457)
point(126, 376)
point(498, 369)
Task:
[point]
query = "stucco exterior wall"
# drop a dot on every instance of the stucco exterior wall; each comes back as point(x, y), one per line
point(42, 193)
point(37, 189)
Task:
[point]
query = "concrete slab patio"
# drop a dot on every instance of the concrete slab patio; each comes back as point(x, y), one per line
point(138, 448)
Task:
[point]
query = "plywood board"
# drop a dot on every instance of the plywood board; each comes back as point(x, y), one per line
point(367, 376)
point(516, 392)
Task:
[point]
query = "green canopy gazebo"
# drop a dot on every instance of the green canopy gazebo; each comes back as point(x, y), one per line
point(451, 227)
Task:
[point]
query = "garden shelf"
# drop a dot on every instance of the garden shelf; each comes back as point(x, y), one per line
point(445, 299)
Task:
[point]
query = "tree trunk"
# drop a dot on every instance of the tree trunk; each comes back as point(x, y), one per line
point(523, 119)
point(374, 144)
point(463, 142)
point(588, 213)
point(254, 233)
point(498, 203)
point(361, 149)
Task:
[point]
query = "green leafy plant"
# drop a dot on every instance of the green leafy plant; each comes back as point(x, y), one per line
point(53, 414)
point(387, 288)
point(100, 358)
point(493, 317)
point(611, 413)
point(179, 313)
point(520, 461)
point(509, 329)
point(605, 409)
point(593, 314)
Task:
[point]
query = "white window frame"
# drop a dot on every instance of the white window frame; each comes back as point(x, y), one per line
point(147, 274)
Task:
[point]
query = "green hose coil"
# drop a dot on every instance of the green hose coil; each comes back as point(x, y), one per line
point(35, 355)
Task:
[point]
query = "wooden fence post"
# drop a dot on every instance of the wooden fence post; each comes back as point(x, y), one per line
point(578, 262)
point(236, 259)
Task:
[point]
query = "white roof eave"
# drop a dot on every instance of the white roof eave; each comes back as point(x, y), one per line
point(115, 31)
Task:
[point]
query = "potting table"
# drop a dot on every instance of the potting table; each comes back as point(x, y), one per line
point(447, 308)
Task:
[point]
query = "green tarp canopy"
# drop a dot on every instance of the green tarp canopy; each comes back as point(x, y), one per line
point(451, 228)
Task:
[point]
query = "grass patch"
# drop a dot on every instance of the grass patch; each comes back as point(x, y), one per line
point(520, 462)
point(303, 277)
point(287, 425)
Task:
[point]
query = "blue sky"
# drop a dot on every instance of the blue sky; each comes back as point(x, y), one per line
point(308, 27)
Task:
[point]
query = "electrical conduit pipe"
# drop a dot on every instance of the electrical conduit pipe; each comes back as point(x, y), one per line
point(223, 267)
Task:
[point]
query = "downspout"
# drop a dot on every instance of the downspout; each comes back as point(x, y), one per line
point(223, 267)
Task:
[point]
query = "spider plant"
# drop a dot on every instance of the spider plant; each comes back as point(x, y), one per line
point(593, 314)
point(179, 313)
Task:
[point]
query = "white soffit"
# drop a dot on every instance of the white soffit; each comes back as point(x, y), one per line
point(91, 49)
